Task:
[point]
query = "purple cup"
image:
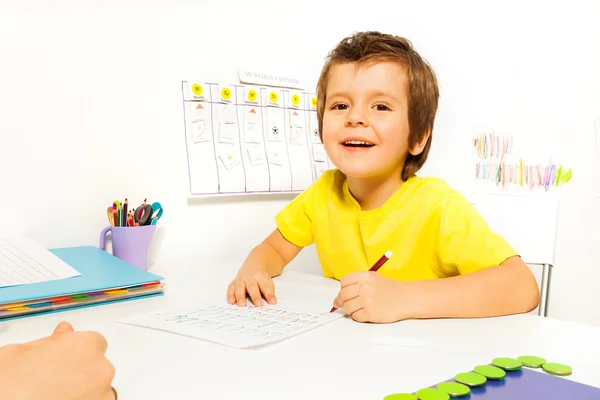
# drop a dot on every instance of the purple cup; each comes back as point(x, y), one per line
point(130, 244)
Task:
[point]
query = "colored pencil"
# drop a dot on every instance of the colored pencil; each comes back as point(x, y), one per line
point(115, 216)
point(124, 219)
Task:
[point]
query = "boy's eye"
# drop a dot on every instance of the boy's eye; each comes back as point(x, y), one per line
point(339, 107)
point(382, 107)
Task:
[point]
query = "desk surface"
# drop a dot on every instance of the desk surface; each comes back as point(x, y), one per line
point(334, 361)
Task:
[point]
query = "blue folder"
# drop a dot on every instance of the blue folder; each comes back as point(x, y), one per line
point(101, 272)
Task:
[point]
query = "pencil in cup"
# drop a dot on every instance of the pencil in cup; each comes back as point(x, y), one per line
point(109, 214)
point(115, 217)
point(124, 215)
point(130, 219)
point(386, 256)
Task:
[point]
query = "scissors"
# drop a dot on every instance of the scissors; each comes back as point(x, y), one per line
point(147, 214)
point(143, 214)
point(157, 212)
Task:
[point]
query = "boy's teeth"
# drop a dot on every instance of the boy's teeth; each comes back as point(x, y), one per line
point(357, 143)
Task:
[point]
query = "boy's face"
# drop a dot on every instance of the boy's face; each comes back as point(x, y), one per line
point(365, 121)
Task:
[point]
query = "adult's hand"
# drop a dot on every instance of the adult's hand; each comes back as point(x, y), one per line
point(66, 365)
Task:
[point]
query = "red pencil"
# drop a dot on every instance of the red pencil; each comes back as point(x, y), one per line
point(386, 256)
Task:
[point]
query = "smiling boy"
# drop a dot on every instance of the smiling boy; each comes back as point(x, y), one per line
point(377, 101)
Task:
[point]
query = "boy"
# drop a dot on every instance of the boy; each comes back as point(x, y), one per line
point(377, 101)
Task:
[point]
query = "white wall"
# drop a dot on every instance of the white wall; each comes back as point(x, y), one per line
point(104, 78)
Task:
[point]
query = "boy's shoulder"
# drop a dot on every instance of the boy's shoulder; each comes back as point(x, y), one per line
point(432, 183)
point(431, 186)
point(435, 192)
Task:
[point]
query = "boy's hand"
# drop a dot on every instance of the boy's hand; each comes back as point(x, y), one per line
point(371, 297)
point(258, 285)
point(66, 365)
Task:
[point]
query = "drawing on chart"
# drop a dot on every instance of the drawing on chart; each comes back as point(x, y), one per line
point(498, 164)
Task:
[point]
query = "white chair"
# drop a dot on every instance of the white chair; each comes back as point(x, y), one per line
point(543, 276)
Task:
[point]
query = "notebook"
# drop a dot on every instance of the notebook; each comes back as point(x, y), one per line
point(103, 279)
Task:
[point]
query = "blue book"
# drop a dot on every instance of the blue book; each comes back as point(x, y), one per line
point(104, 279)
point(525, 384)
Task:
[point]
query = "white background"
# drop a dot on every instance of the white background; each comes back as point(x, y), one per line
point(91, 111)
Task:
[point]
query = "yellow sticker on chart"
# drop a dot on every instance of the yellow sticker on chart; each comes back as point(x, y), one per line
point(295, 99)
point(252, 95)
point(313, 101)
point(273, 97)
point(197, 89)
point(226, 93)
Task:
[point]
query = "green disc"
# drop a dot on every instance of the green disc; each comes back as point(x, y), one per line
point(432, 394)
point(490, 372)
point(557, 369)
point(454, 389)
point(532, 361)
point(471, 379)
point(400, 396)
point(509, 364)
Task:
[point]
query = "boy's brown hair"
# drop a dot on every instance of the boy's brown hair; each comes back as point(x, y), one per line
point(423, 92)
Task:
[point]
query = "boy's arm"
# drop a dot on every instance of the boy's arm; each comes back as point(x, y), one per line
point(475, 286)
point(271, 256)
point(509, 288)
point(294, 231)
point(492, 279)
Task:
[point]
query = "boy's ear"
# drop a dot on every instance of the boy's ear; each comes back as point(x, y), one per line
point(419, 146)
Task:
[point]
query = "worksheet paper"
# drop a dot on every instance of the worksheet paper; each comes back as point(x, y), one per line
point(299, 308)
point(24, 261)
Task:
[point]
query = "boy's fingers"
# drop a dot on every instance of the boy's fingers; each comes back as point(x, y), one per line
point(359, 315)
point(345, 294)
point(337, 303)
point(231, 293)
point(254, 293)
point(353, 305)
point(240, 293)
point(268, 289)
point(350, 279)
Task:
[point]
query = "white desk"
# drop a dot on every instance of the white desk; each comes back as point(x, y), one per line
point(334, 361)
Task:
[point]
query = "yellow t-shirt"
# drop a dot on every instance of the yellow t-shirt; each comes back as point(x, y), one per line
point(432, 230)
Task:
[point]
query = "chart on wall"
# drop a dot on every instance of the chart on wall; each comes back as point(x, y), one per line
point(247, 139)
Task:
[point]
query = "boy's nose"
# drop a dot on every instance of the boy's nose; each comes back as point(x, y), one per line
point(356, 118)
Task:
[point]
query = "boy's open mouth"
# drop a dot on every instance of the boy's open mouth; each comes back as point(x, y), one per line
point(357, 143)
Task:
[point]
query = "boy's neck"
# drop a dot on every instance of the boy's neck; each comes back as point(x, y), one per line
point(372, 193)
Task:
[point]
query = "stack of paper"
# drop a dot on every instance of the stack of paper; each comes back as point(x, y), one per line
point(23, 261)
point(35, 280)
